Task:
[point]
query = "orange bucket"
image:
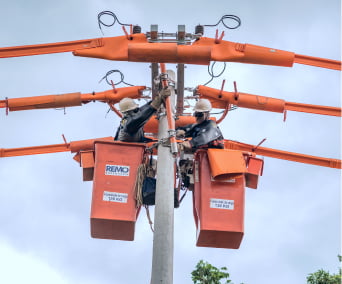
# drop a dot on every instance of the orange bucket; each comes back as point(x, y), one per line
point(218, 206)
point(113, 207)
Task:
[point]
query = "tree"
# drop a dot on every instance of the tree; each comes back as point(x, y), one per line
point(205, 273)
point(324, 277)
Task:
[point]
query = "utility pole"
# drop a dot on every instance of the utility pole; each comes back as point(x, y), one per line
point(162, 259)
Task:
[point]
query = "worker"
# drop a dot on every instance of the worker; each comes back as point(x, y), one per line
point(135, 117)
point(204, 133)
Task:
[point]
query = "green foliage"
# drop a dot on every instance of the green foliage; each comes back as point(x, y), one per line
point(205, 273)
point(324, 277)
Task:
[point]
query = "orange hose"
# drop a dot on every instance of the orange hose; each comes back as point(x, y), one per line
point(170, 119)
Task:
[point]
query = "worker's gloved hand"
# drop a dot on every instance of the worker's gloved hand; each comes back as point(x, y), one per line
point(180, 133)
point(156, 103)
point(186, 145)
point(164, 93)
point(158, 100)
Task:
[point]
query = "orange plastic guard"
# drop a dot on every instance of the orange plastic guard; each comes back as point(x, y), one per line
point(254, 170)
point(41, 102)
point(226, 164)
point(152, 125)
point(114, 97)
point(113, 206)
point(220, 99)
point(218, 207)
point(47, 48)
point(135, 47)
point(279, 154)
point(317, 61)
point(169, 53)
point(71, 99)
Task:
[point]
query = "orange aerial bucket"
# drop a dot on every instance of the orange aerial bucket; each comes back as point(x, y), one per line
point(113, 207)
point(218, 206)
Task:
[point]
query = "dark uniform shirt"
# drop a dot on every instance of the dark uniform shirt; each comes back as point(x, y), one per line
point(206, 134)
point(131, 127)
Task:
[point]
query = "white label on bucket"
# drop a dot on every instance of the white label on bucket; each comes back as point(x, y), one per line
point(222, 204)
point(115, 197)
point(117, 170)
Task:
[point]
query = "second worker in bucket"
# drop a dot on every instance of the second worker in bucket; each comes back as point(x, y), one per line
point(204, 133)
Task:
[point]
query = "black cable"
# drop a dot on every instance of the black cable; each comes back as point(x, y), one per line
point(117, 83)
point(211, 71)
point(108, 13)
point(231, 17)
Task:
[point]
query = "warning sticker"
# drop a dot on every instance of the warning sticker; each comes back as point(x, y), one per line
point(115, 197)
point(221, 203)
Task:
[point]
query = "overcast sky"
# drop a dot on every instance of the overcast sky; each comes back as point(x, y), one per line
point(292, 221)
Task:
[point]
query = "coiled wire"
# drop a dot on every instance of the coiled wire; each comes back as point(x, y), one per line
point(211, 71)
point(109, 82)
point(108, 13)
point(225, 17)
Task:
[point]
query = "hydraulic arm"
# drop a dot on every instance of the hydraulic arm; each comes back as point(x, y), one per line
point(137, 48)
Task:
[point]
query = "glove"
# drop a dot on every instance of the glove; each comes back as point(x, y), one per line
point(164, 93)
point(180, 133)
point(186, 145)
point(156, 103)
point(158, 100)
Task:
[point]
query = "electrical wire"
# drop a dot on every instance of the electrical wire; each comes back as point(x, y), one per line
point(211, 71)
point(108, 13)
point(117, 83)
point(230, 17)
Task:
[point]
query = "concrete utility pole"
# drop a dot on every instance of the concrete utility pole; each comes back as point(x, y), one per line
point(162, 262)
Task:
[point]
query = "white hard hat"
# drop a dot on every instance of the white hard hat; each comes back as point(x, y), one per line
point(203, 105)
point(127, 104)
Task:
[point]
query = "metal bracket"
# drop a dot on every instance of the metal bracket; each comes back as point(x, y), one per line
point(165, 142)
point(181, 37)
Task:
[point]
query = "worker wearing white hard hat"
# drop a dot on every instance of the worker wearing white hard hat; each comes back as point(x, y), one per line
point(134, 118)
point(205, 132)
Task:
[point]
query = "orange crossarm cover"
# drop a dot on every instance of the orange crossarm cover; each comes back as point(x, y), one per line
point(279, 154)
point(71, 99)
point(136, 48)
point(47, 48)
point(317, 109)
point(219, 99)
point(76, 146)
point(152, 125)
point(73, 147)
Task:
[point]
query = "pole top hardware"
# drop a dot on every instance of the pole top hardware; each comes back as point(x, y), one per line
point(180, 37)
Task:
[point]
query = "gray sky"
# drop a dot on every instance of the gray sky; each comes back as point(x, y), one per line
point(292, 221)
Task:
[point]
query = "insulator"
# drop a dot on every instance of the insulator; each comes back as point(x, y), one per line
point(136, 29)
point(199, 30)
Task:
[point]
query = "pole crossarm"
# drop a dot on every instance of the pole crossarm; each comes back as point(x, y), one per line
point(137, 48)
